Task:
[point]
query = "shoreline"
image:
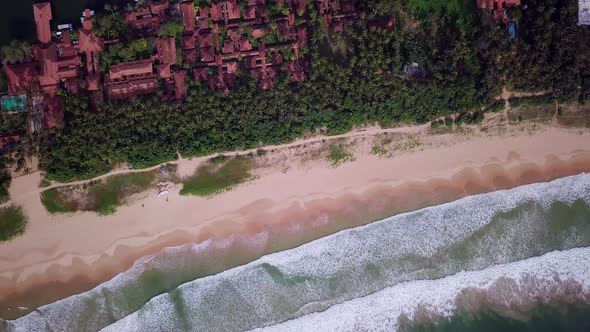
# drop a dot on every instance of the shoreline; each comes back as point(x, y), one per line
point(320, 200)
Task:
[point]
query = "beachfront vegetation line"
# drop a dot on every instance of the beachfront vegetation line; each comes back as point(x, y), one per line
point(436, 58)
point(54, 203)
point(13, 222)
point(218, 176)
point(339, 154)
point(103, 197)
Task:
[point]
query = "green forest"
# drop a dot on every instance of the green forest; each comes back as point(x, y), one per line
point(462, 57)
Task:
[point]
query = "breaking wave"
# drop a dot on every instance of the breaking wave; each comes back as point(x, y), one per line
point(504, 240)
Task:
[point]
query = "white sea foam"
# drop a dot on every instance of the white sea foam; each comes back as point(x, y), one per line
point(431, 243)
point(322, 273)
point(533, 278)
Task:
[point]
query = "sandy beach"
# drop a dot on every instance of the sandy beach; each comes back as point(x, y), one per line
point(298, 196)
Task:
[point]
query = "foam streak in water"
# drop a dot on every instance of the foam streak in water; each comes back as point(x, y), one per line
point(539, 279)
point(469, 234)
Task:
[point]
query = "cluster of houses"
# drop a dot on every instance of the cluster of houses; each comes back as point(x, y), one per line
point(497, 7)
point(219, 40)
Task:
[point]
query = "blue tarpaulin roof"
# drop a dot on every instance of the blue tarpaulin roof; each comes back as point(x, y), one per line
point(512, 30)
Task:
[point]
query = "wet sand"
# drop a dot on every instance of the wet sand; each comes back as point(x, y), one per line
point(67, 254)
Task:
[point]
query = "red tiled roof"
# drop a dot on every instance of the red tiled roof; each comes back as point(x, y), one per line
point(87, 22)
point(203, 18)
point(21, 77)
point(498, 7)
point(188, 42)
point(232, 9)
point(190, 56)
point(489, 4)
point(207, 54)
point(53, 111)
point(250, 13)
point(231, 67)
point(205, 39)
point(180, 84)
point(201, 74)
point(42, 13)
point(167, 50)
point(133, 87)
point(235, 33)
point(216, 11)
point(188, 15)
point(245, 45)
point(164, 71)
point(160, 7)
point(142, 18)
point(259, 33)
point(88, 42)
point(93, 81)
point(131, 68)
point(47, 57)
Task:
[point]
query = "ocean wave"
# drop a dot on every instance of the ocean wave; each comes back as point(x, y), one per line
point(514, 287)
point(472, 233)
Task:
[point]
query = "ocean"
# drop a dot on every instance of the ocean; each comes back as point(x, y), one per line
point(512, 260)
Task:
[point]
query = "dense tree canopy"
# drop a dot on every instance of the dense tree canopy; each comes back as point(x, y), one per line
point(16, 52)
point(458, 59)
point(110, 26)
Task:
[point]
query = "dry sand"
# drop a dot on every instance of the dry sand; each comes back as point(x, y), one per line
point(61, 255)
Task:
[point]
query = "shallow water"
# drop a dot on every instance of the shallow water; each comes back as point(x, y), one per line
point(324, 281)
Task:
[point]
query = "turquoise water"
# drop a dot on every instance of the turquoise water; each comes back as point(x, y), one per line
point(510, 250)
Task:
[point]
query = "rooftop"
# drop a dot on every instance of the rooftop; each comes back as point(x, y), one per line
point(42, 13)
point(584, 12)
point(131, 68)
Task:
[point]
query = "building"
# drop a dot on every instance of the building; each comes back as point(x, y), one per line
point(336, 13)
point(584, 12)
point(219, 41)
point(22, 78)
point(42, 14)
point(497, 7)
point(148, 19)
point(130, 79)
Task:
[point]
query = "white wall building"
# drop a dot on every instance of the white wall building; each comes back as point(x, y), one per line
point(584, 12)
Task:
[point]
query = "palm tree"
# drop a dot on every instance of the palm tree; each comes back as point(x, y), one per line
point(16, 52)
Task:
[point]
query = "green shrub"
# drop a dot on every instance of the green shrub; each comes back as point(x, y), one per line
point(215, 177)
point(13, 222)
point(496, 107)
point(379, 150)
point(54, 202)
point(531, 101)
point(111, 194)
point(4, 185)
point(339, 154)
point(101, 197)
